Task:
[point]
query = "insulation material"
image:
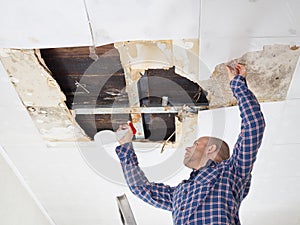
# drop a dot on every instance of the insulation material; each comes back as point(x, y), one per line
point(41, 95)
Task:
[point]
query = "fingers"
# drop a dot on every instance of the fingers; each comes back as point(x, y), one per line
point(123, 127)
point(230, 73)
point(241, 69)
point(125, 135)
point(228, 69)
point(240, 66)
point(236, 69)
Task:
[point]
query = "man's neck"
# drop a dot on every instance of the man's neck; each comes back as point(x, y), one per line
point(204, 164)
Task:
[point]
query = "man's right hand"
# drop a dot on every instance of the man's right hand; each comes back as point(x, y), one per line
point(127, 137)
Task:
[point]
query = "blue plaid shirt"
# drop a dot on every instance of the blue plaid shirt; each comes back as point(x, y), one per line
point(213, 194)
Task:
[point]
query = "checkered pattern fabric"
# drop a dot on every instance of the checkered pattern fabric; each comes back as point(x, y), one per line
point(213, 194)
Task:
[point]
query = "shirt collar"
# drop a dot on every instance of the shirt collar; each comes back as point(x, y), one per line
point(210, 163)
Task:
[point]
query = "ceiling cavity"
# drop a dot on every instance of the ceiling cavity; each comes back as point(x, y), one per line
point(155, 84)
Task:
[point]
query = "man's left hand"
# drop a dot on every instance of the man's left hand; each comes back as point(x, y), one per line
point(238, 69)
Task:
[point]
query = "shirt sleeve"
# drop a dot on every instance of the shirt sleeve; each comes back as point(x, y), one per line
point(252, 127)
point(156, 194)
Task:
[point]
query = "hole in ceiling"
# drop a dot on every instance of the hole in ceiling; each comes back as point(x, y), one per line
point(101, 84)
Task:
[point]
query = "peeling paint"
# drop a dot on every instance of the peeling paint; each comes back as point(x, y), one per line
point(162, 54)
point(186, 58)
point(269, 71)
point(26, 73)
point(269, 75)
point(131, 79)
point(186, 129)
point(41, 95)
point(294, 47)
point(139, 55)
point(56, 124)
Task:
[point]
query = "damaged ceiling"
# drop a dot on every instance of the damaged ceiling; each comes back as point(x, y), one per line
point(176, 38)
point(71, 96)
point(101, 87)
point(41, 95)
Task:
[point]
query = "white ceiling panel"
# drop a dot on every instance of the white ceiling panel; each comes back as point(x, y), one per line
point(286, 154)
point(43, 24)
point(289, 131)
point(14, 116)
point(225, 123)
point(252, 18)
point(281, 120)
point(272, 200)
point(143, 20)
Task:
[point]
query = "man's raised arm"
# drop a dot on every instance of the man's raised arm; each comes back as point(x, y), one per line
point(156, 194)
point(253, 124)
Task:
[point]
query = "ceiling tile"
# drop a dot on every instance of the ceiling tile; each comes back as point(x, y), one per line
point(143, 20)
point(43, 24)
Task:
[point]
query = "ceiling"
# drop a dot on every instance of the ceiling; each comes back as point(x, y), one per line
point(53, 182)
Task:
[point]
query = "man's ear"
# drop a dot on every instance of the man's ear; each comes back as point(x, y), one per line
point(212, 149)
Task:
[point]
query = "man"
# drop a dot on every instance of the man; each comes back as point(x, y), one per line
point(217, 185)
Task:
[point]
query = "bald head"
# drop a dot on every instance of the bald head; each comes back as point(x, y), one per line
point(204, 149)
point(222, 148)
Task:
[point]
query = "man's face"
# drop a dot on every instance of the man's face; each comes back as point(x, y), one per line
point(195, 153)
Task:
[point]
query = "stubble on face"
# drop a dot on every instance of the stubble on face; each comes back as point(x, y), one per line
point(194, 153)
